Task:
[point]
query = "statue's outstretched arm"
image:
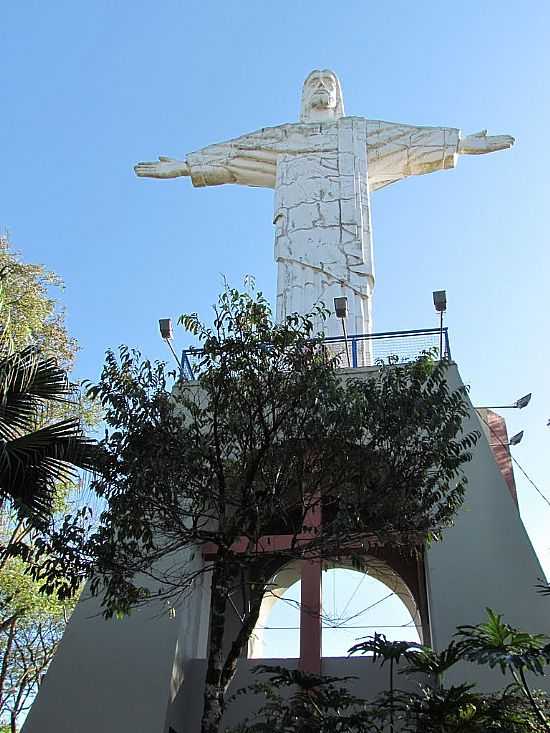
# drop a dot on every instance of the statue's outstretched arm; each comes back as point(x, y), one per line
point(164, 168)
point(480, 143)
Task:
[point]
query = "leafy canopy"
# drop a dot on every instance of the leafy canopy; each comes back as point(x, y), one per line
point(268, 432)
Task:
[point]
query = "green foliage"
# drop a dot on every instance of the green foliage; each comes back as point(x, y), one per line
point(272, 430)
point(458, 709)
point(496, 643)
point(321, 703)
point(304, 703)
point(382, 649)
point(268, 434)
point(41, 443)
point(427, 661)
point(35, 457)
point(24, 597)
point(29, 313)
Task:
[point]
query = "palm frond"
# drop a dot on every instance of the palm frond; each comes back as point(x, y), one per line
point(32, 464)
point(27, 382)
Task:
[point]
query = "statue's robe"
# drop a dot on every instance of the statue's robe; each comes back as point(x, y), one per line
point(323, 174)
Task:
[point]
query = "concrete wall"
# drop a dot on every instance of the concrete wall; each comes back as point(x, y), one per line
point(108, 676)
point(485, 560)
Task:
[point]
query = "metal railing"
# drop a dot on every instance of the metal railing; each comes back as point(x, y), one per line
point(361, 350)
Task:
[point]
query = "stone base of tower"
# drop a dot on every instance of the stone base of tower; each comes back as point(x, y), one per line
point(144, 674)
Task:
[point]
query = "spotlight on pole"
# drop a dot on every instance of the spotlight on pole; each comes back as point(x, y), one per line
point(341, 307)
point(518, 404)
point(440, 304)
point(165, 326)
point(341, 310)
point(515, 439)
point(523, 401)
point(440, 300)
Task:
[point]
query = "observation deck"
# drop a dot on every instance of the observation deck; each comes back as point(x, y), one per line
point(360, 350)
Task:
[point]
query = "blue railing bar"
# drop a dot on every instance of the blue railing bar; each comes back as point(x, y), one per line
point(447, 346)
point(186, 368)
point(387, 334)
point(354, 361)
point(367, 337)
point(188, 373)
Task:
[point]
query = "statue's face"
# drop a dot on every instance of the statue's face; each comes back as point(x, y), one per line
point(321, 92)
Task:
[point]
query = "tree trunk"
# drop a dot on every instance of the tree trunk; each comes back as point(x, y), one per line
point(241, 640)
point(6, 660)
point(213, 690)
point(222, 667)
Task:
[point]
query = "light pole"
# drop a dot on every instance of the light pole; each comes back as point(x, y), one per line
point(341, 309)
point(165, 326)
point(440, 303)
point(518, 404)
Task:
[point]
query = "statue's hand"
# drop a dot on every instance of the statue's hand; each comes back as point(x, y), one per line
point(165, 168)
point(480, 142)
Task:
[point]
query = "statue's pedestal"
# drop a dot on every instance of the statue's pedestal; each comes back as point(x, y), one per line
point(143, 674)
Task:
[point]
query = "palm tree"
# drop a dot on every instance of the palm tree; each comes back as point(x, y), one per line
point(425, 660)
point(385, 650)
point(35, 455)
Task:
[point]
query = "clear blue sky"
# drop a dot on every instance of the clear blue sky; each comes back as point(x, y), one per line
point(88, 89)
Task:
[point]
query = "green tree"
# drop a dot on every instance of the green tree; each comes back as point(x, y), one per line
point(30, 314)
point(384, 651)
point(28, 640)
point(36, 455)
point(269, 433)
point(41, 445)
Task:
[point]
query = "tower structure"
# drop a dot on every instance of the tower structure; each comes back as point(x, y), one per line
point(146, 673)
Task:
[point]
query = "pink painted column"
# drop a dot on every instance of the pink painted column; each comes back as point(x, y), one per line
point(310, 617)
point(310, 610)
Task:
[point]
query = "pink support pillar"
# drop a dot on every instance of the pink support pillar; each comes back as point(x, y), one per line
point(310, 617)
point(310, 611)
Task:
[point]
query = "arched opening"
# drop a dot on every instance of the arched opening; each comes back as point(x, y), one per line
point(354, 604)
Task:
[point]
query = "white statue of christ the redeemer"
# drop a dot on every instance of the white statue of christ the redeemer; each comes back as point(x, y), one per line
point(323, 169)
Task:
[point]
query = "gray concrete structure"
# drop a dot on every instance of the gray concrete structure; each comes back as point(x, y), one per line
point(144, 674)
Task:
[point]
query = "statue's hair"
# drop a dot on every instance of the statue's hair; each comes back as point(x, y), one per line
point(339, 111)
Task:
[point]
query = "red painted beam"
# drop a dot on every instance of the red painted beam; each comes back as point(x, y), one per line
point(310, 617)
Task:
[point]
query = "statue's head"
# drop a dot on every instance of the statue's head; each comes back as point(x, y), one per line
point(321, 97)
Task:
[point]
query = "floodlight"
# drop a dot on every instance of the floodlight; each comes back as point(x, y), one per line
point(514, 440)
point(440, 300)
point(165, 325)
point(523, 401)
point(518, 404)
point(341, 307)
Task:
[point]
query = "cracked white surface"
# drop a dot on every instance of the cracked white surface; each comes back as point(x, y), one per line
point(323, 169)
point(323, 174)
